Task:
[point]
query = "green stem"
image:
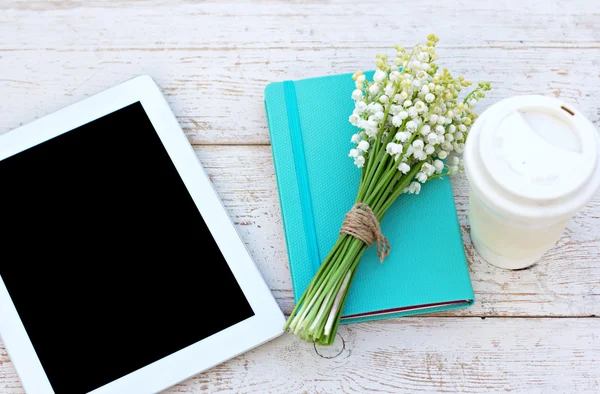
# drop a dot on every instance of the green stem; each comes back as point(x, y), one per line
point(399, 189)
point(315, 300)
point(378, 201)
point(374, 152)
point(328, 301)
point(381, 163)
point(314, 285)
point(385, 180)
point(320, 328)
point(327, 340)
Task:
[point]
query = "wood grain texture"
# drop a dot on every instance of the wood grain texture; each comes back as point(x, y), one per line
point(213, 60)
point(468, 355)
point(564, 283)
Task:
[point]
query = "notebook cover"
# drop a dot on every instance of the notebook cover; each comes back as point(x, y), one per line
point(310, 136)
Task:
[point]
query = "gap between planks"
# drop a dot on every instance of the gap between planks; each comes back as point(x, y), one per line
point(228, 144)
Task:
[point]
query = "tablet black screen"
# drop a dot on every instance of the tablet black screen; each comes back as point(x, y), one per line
point(105, 255)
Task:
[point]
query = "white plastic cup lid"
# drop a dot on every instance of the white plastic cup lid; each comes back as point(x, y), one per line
point(534, 156)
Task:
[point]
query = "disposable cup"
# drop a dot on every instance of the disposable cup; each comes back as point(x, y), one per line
point(532, 163)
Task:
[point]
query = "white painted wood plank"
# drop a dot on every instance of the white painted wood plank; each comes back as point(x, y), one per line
point(213, 60)
point(468, 355)
point(564, 283)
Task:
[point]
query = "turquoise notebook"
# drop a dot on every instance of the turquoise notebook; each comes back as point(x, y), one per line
point(310, 135)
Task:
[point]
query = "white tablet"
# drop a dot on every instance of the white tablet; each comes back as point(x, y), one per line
point(120, 270)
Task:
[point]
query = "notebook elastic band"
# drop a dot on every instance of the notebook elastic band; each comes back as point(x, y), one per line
point(291, 103)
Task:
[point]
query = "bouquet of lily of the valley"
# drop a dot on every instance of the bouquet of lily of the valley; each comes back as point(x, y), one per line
point(412, 125)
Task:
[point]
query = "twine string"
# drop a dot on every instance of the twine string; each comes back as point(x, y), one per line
point(361, 223)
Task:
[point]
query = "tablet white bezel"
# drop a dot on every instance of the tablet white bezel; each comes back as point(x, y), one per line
point(267, 321)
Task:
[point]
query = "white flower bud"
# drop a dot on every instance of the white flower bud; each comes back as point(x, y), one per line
point(357, 94)
point(356, 138)
point(354, 153)
point(403, 115)
point(449, 115)
point(363, 146)
point(413, 112)
point(432, 138)
point(374, 89)
point(439, 166)
point(393, 148)
point(425, 90)
point(439, 129)
point(448, 138)
point(407, 103)
point(395, 109)
point(418, 145)
point(402, 136)
point(428, 169)
point(420, 155)
point(404, 168)
point(379, 116)
point(411, 126)
point(451, 128)
point(396, 120)
point(379, 75)
point(414, 188)
point(359, 161)
point(429, 97)
point(442, 154)
point(462, 128)
point(429, 149)
point(390, 148)
point(353, 119)
point(404, 95)
point(421, 177)
point(459, 136)
point(384, 99)
point(426, 129)
point(433, 119)
point(441, 120)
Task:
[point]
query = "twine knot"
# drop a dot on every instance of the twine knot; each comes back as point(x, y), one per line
point(361, 223)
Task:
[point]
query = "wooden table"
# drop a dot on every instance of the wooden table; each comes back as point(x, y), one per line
point(534, 330)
